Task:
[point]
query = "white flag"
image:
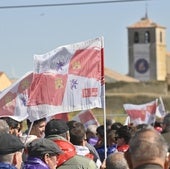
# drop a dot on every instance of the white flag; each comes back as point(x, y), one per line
point(69, 78)
point(143, 113)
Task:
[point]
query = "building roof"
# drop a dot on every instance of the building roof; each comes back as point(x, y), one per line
point(112, 76)
point(1, 73)
point(145, 22)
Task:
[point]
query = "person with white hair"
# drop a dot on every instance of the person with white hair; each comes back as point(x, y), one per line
point(116, 161)
point(148, 149)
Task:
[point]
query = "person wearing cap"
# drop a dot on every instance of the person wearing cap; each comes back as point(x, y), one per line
point(58, 131)
point(10, 151)
point(42, 154)
point(166, 129)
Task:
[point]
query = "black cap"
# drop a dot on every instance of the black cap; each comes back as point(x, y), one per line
point(56, 126)
point(9, 143)
point(39, 147)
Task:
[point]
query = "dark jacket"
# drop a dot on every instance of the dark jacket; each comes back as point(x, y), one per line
point(34, 163)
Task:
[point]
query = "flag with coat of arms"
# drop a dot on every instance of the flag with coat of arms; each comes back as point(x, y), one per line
point(68, 78)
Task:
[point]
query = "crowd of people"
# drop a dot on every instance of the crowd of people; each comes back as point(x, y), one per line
point(55, 143)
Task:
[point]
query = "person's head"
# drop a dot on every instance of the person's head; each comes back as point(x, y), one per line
point(166, 122)
point(44, 149)
point(111, 137)
point(78, 134)
point(10, 149)
point(70, 124)
point(148, 146)
point(100, 132)
point(57, 127)
point(123, 135)
point(4, 127)
point(109, 123)
point(14, 126)
point(116, 161)
point(38, 127)
point(91, 134)
point(117, 125)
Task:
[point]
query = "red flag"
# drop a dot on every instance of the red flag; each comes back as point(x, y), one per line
point(63, 116)
point(67, 79)
point(143, 113)
point(86, 117)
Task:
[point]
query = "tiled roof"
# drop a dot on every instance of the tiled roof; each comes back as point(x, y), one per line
point(112, 76)
point(145, 22)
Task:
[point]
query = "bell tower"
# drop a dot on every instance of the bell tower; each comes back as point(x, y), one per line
point(147, 50)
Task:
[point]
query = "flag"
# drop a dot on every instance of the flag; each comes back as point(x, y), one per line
point(141, 114)
point(86, 117)
point(160, 112)
point(68, 78)
point(127, 121)
point(13, 100)
point(63, 116)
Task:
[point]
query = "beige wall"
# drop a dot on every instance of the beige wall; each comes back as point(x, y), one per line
point(161, 55)
point(4, 81)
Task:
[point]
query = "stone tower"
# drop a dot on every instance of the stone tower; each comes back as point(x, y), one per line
point(147, 50)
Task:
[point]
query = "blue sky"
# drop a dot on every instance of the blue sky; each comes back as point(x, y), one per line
point(28, 31)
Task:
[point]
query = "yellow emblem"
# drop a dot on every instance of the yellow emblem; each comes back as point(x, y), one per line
point(76, 65)
point(59, 83)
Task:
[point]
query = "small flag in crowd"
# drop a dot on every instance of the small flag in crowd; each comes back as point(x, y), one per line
point(63, 116)
point(87, 118)
point(69, 78)
point(160, 112)
point(13, 100)
point(143, 113)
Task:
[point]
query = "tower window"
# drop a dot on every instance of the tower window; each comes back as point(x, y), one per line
point(136, 37)
point(147, 37)
point(161, 37)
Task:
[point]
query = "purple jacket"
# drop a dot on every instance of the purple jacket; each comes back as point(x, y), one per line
point(6, 166)
point(34, 163)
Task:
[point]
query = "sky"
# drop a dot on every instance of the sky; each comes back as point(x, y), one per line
point(28, 31)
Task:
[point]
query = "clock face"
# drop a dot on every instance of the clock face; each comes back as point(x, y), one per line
point(141, 65)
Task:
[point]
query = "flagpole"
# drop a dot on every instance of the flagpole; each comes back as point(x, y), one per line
point(29, 131)
point(105, 128)
point(162, 104)
point(104, 106)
